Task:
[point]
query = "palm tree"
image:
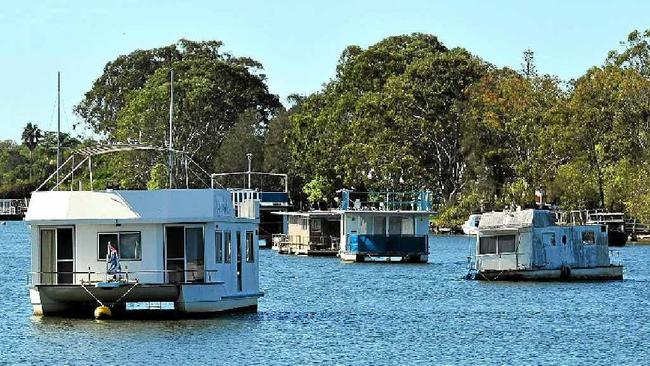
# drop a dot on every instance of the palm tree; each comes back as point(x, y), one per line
point(31, 137)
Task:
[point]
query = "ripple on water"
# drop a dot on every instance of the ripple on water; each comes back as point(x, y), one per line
point(322, 311)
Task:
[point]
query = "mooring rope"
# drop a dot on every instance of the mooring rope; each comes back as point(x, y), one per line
point(116, 301)
point(91, 294)
point(124, 295)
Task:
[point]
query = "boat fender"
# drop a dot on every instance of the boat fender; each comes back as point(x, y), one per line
point(565, 272)
point(103, 312)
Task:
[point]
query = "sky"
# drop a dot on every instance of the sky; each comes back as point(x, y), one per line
point(298, 42)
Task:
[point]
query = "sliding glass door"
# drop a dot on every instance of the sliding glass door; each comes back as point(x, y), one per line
point(184, 253)
point(57, 255)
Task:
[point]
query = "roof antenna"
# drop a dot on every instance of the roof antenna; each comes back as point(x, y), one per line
point(171, 112)
point(58, 127)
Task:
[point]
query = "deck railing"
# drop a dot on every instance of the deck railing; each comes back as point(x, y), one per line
point(91, 277)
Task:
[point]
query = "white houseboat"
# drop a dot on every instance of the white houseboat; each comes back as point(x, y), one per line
point(192, 248)
point(528, 245)
point(470, 227)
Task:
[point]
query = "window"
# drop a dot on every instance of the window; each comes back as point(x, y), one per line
point(127, 245)
point(316, 225)
point(218, 246)
point(408, 226)
point(588, 237)
point(487, 245)
point(548, 239)
point(395, 226)
point(227, 246)
point(506, 244)
point(249, 247)
point(497, 244)
point(379, 223)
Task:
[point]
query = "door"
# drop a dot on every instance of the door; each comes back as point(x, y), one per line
point(194, 254)
point(239, 261)
point(57, 255)
point(64, 255)
point(175, 252)
point(185, 252)
point(48, 256)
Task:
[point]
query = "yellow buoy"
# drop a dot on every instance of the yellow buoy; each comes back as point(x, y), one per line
point(103, 312)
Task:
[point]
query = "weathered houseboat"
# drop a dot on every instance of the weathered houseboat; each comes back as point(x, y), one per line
point(314, 233)
point(528, 245)
point(189, 247)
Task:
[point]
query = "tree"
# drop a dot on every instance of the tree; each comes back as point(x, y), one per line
point(528, 68)
point(31, 137)
point(635, 54)
point(390, 120)
point(610, 109)
point(242, 139)
point(130, 101)
point(512, 135)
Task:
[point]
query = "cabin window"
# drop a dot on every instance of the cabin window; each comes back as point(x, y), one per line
point(249, 247)
point(395, 226)
point(506, 244)
point(227, 246)
point(218, 246)
point(588, 237)
point(548, 239)
point(488, 245)
point(408, 226)
point(497, 244)
point(127, 244)
point(379, 223)
point(365, 224)
point(316, 225)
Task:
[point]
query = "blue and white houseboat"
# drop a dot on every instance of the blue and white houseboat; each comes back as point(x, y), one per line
point(367, 226)
point(528, 245)
point(191, 248)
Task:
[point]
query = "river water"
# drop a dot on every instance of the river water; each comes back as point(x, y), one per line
point(322, 311)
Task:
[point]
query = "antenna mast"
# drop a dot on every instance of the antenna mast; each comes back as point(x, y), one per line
point(58, 127)
point(171, 112)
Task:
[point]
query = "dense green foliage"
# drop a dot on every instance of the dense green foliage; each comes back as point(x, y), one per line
point(407, 113)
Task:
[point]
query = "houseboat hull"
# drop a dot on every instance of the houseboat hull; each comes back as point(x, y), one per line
point(367, 257)
point(605, 273)
point(194, 298)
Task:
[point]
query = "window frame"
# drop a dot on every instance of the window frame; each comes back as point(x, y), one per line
point(227, 246)
point(250, 248)
point(118, 233)
point(497, 246)
point(218, 246)
point(593, 237)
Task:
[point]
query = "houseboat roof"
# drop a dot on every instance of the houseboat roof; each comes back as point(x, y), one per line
point(517, 219)
point(314, 214)
point(119, 206)
point(331, 213)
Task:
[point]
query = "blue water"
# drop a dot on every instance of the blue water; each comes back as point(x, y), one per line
point(321, 311)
